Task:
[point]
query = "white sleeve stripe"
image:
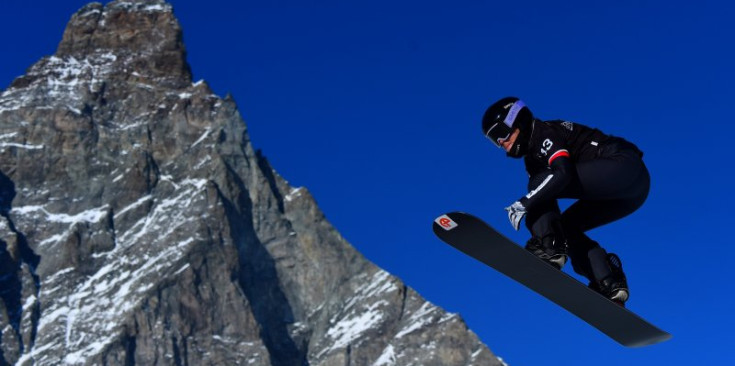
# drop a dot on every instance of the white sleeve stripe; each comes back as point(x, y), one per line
point(540, 187)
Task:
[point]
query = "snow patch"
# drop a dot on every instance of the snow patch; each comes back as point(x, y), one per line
point(447, 317)
point(29, 303)
point(204, 136)
point(387, 358)
point(100, 302)
point(40, 214)
point(380, 283)
point(362, 312)
point(91, 216)
point(89, 12)
point(86, 319)
point(60, 83)
point(134, 205)
point(145, 86)
point(140, 7)
point(26, 358)
point(4, 145)
point(56, 276)
point(294, 194)
point(156, 7)
point(166, 212)
point(348, 330)
point(418, 319)
point(203, 162)
point(132, 126)
point(182, 269)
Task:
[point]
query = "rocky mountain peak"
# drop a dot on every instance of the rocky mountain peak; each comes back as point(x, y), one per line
point(140, 40)
point(139, 226)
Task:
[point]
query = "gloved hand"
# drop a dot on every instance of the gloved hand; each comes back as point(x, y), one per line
point(516, 211)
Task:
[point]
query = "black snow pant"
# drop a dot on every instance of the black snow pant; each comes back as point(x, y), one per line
point(608, 188)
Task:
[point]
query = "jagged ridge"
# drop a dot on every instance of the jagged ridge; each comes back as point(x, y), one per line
point(140, 226)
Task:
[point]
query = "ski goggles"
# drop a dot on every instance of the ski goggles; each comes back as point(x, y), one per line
point(501, 130)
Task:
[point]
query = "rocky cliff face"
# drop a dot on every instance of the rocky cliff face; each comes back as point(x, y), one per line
point(139, 226)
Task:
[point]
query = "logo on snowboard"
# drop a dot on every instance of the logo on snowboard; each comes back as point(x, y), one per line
point(445, 222)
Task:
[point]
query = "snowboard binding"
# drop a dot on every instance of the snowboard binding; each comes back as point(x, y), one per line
point(614, 284)
point(549, 249)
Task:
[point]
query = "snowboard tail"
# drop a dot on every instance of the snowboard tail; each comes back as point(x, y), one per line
point(480, 241)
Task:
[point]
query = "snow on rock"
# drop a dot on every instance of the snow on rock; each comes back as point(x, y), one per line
point(153, 6)
point(40, 213)
point(145, 227)
point(294, 194)
point(168, 214)
point(46, 219)
point(4, 145)
point(350, 328)
point(363, 312)
point(141, 201)
point(379, 284)
point(202, 138)
point(419, 319)
point(60, 82)
point(387, 358)
point(100, 301)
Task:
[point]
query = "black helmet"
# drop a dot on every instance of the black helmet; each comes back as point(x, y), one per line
point(503, 116)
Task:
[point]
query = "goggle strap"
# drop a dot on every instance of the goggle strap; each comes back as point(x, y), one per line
point(513, 113)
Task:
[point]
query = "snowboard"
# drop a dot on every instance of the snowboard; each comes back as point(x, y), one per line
point(480, 241)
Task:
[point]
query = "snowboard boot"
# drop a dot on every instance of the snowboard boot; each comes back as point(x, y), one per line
point(613, 284)
point(549, 249)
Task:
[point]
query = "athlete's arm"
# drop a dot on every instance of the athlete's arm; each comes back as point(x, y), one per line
point(553, 185)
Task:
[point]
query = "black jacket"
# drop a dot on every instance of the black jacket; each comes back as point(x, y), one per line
point(559, 145)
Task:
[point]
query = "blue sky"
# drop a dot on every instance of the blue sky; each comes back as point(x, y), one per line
point(375, 107)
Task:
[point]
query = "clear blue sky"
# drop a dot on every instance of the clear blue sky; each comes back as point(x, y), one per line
point(375, 107)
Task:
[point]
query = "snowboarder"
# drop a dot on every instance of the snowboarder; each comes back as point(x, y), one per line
point(606, 175)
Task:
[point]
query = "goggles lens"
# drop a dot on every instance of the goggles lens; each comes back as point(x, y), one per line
point(498, 133)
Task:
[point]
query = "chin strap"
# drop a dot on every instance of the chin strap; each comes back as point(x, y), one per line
point(519, 149)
